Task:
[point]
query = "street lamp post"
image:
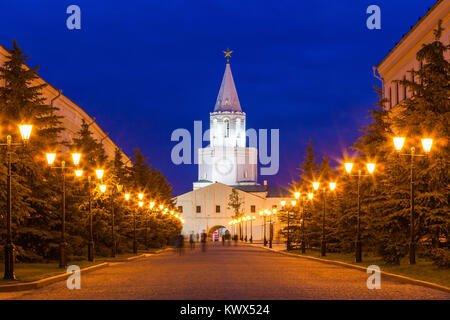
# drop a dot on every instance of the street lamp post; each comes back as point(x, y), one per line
point(62, 245)
point(426, 145)
point(251, 229)
point(303, 246)
point(370, 168)
point(91, 246)
point(288, 239)
point(147, 225)
point(323, 244)
point(25, 132)
point(262, 213)
point(274, 211)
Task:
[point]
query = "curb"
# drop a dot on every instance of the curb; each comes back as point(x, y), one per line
point(352, 266)
point(47, 281)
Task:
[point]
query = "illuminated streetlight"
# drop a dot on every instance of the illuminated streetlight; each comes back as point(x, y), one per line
point(127, 196)
point(76, 158)
point(293, 203)
point(25, 131)
point(426, 144)
point(141, 196)
point(310, 195)
point(103, 188)
point(141, 203)
point(398, 143)
point(51, 158)
point(283, 203)
point(370, 167)
point(332, 186)
point(348, 167)
point(78, 173)
point(99, 173)
point(297, 195)
point(316, 185)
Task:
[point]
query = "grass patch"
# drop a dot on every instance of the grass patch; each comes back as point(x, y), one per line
point(28, 272)
point(423, 269)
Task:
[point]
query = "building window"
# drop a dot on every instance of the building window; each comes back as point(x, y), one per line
point(252, 209)
point(180, 209)
point(199, 209)
point(274, 206)
point(217, 209)
point(390, 97)
point(227, 128)
point(396, 94)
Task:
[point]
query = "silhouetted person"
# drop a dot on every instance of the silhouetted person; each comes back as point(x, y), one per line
point(203, 236)
point(223, 240)
point(179, 240)
point(191, 241)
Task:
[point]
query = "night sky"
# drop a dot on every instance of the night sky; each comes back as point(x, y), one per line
point(146, 68)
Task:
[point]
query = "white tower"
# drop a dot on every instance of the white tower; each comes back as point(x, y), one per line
point(226, 159)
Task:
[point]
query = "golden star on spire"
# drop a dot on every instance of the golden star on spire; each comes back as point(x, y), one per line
point(228, 54)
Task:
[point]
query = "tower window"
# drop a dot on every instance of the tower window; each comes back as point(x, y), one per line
point(217, 209)
point(199, 209)
point(252, 209)
point(180, 209)
point(227, 128)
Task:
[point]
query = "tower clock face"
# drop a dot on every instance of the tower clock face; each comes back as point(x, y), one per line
point(224, 166)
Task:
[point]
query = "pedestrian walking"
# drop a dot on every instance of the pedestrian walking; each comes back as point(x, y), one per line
point(191, 241)
point(203, 237)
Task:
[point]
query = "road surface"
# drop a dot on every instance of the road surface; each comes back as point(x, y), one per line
point(235, 272)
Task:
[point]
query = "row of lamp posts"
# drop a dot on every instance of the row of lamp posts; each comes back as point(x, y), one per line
point(398, 144)
point(25, 131)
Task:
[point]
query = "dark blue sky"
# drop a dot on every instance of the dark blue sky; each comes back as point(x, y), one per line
point(145, 68)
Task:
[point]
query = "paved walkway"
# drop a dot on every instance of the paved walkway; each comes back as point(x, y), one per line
point(235, 272)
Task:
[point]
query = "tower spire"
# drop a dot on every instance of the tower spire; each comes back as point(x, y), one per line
point(227, 99)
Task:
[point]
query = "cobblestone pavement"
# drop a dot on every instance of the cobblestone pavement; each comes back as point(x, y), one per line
point(234, 272)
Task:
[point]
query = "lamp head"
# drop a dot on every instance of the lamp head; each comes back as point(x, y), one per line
point(25, 131)
point(310, 195)
point(103, 188)
point(99, 173)
point(398, 143)
point(316, 185)
point(297, 195)
point(370, 167)
point(348, 166)
point(127, 196)
point(293, 202)
point(76, 158)
point(78, 173)
point(332, 186)
point(426, 144)
point(51, 158)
